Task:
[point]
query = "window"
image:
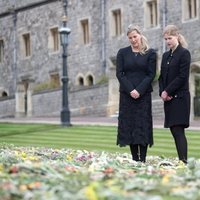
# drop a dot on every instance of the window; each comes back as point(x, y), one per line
point(1, 50)
point(151, 13)
point(189, 9)
point(26, 45)
point(89, 80)
point(85, 31)
point(4, 94)
point(54, 39)
point(116, 23)
point(55, 80)
point(80, 81)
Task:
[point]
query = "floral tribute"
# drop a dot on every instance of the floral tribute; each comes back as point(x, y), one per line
point(33, 173)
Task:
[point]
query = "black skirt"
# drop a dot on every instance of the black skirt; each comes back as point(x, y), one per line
point(135, 120)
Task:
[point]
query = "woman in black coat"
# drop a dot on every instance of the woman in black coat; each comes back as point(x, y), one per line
point(174, 88)
point(136, 69)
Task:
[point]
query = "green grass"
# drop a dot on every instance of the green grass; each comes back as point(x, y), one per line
point(101, 138)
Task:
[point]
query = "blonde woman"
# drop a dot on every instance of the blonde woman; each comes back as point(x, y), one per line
point(136, 69)
point(174, 87)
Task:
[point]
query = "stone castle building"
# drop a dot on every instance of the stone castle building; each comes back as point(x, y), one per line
point(31, 55)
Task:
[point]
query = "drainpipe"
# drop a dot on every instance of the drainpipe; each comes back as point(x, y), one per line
point(14, 47)
point(164, 21)
point(15, 52)
point(103, 40)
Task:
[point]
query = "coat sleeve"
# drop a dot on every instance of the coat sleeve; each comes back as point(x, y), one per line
point(183, 75)
point(150, 74)
point(121, 75)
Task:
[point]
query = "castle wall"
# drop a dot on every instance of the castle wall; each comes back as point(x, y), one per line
point(37, 17)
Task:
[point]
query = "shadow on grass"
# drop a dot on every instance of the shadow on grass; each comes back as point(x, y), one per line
point(8, 129)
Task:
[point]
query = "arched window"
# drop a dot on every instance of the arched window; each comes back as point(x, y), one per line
point(80, 80)
point(89, 80)
point(4, 94)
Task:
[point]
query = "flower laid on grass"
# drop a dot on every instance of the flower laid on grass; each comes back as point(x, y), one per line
point(33, 173)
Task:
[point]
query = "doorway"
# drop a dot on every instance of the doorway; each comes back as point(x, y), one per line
point(23, 99)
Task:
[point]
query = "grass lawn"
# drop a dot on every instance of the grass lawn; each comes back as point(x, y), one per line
point(101, 138)
point(29, 170)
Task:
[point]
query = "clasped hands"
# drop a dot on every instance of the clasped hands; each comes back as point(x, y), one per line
point(165, 97)
point(135, 94)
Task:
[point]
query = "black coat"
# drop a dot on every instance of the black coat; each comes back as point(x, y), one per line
point(174, 79)
point(135, 71)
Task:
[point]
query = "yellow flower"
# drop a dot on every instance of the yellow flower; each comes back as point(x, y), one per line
point(181, 165)
point(33, 158)
point(1, 167)
point(165, 179)
point(23, 155)
point(69, 157)
point(90, 192)
point(23, 187)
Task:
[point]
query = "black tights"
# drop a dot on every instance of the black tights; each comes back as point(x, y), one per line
point(178, 133)
point(138, 152)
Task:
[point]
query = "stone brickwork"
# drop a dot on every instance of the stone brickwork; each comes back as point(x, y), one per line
point(88, 101)
point(7, 107)
point(37, 17)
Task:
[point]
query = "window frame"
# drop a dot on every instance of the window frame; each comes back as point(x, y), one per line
point(151, 15)
point(85, 31)
point(116, 22)
point(189, 14)
point(54, 40)
point(26, 45)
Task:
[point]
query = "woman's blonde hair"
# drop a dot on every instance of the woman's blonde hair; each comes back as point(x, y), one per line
point(173, 30)
point(144, 42)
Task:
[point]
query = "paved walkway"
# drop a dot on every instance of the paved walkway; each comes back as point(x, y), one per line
point(110, 121)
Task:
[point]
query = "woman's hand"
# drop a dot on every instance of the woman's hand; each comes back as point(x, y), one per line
point(165, 96)
point(135, 94)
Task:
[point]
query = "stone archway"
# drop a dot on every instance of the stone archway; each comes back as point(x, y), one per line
point(195, 71)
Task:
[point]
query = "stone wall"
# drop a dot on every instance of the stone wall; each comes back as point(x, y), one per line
point(37, 17)
point(7, 107)
point(88, 101)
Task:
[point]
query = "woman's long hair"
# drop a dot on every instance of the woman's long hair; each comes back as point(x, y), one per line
point(173, 30)
point(144, 42)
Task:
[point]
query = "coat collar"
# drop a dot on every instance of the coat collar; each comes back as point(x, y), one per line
point(168, 53)
point(176, 50)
